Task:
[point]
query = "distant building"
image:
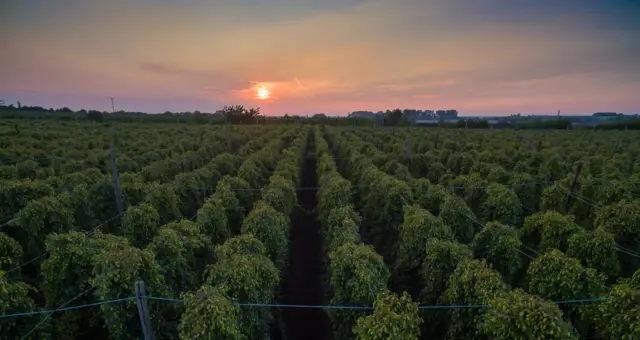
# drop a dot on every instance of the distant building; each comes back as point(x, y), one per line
point(362, 114)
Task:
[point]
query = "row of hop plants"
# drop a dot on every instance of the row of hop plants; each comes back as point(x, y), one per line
point(491, 201)
point(78, 149)
point(15, 194)
point(357, 274)
point(430, 278)
point(379, 197)
point(68, 210)
point(497, 244)
point(249, 267)
point(153, 244)
point(604, 154)
point(500, 164)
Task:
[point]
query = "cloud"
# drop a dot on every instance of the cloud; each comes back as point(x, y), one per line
point(328, 55)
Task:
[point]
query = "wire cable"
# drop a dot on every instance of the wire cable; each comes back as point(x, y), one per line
point(99, 303)
point(57, 310)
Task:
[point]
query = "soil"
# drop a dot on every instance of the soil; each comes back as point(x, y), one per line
point(304, 284)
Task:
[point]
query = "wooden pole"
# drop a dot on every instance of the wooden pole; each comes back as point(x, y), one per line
point(573, 186)
point(143, 310)
point(114, 173)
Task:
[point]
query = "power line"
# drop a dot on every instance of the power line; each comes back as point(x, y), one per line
point(99, 303)
point(56, 310)
point(255, 305)
point(89, 234)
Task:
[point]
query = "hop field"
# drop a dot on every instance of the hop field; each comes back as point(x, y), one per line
point(317, 232)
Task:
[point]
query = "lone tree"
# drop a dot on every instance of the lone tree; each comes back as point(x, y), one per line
point(238, 114)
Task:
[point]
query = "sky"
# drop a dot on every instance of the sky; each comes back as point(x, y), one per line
point(481, 57)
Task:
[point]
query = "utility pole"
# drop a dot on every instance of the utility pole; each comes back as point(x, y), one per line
point(143, 310)
point(113, 108)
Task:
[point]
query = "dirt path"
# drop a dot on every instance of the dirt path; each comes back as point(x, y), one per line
point(304, 284)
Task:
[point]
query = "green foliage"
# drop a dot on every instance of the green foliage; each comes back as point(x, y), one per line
point(472, 283)
point(502, 205)
point(271, 227)
point(499, 245)
point(210, 315)
point(15, 299)
point(553, 197)
point(245, 244)
point(517, 315)
point(442, 258)
point(140, 224)
point(473, 189)
point(212, 217)
point(116, 268)
point(393, 318)
point(383, 198)
point(623, 221)
point(240, 190)
point(555, 276)
point(280, 194)
point(14, 195)
point(246, 278)
point(164, 199)
point(459, 217)
point(341, 226)
point(619, 318)
point(228, 199)
point(251, 172)
point(334, 192)
point(435, 172)
point(10, 252)
point(41, 217)
point(548, 230)
point(181, 250)
point(356, 274)
point(596, 249)
point(67, 271)
point(418, 228)
point(553, 168)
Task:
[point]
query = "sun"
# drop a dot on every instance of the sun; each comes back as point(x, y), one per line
point(263, 93)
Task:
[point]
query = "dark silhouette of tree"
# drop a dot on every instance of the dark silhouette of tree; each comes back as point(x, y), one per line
point(95, 116)
point(237, 114)
point(394, 117)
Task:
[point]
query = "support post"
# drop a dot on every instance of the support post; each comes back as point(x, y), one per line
point(408, 147)
point(573, 186)
point(143, 310)
point(114, 173)
point(228, 127)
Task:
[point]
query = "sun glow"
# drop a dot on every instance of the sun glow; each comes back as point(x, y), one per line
point(263, 93)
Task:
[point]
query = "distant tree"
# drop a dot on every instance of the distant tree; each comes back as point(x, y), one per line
point(237, 114)
point(94, 116)
point(394, 117)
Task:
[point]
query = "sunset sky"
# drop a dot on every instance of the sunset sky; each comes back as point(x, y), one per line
point(481, 57)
